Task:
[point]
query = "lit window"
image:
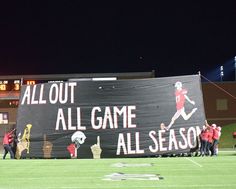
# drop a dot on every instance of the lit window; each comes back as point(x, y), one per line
point(221, 104)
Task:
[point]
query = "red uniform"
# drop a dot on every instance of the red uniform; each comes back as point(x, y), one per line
point(180, 98)
point(216, 133)
point(204, 142)
point(216, 137)
point(71, 148)
point(7, 138)
point(210, 135)
point(204, 135)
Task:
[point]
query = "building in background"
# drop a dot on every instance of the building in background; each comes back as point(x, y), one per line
point(220, 102)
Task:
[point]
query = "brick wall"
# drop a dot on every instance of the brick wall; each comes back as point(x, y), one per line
point(220, 102)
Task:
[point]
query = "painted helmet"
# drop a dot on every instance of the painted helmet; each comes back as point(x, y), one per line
point(78, 137)
point(178, 84)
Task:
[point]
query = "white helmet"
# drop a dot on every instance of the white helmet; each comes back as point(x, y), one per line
point(178, 84)
point(78, 138)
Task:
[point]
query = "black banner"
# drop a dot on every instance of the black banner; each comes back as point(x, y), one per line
point(104, 119)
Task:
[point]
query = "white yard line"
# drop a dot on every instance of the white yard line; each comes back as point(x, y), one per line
point(227, 151)
point(194, 162)
point(152, 186)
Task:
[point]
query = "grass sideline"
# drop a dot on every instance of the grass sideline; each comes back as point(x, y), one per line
point(178, 172)
point(226, 139)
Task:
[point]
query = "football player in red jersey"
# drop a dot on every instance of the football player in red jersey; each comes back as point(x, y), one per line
point(181, 95)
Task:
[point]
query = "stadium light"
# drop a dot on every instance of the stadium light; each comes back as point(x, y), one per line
point(235, 68)
point(221, 73)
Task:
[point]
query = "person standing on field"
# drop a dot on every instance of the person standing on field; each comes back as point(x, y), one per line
point(204, 141)
point(216, 137)
point(7, 140)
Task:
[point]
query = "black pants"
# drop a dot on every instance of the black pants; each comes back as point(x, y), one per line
point(214, 146)
point(209, 149)
point(203, 149)
point(7, 148)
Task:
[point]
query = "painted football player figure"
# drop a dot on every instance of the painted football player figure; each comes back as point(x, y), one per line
point(77, 139)
point(181, 95)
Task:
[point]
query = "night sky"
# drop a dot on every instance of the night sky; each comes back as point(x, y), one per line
point(172, 38)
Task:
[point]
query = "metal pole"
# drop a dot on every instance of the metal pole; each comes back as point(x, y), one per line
point(235, 68)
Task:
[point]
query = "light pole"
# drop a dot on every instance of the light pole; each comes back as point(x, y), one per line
point(221, 73)
point(235, 68)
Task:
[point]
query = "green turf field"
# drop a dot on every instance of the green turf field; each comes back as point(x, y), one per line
point(226, 139)
point(178, 172)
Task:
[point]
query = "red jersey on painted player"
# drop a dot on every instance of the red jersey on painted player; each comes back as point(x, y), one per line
point(181, 96)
